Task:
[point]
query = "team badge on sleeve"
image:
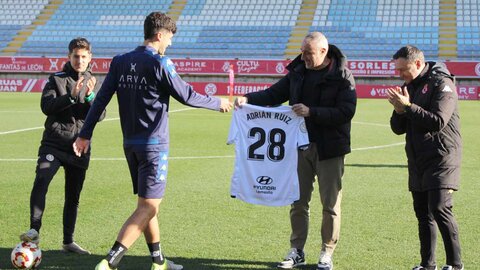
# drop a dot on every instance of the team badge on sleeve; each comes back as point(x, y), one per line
point(425, 89)
point(170, 66)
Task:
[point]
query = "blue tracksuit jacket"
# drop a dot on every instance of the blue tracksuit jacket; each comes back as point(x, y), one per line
point(144, 82)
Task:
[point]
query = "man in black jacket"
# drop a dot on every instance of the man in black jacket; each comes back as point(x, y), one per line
point(425, 109)
point(320, 88)
point(66, 99)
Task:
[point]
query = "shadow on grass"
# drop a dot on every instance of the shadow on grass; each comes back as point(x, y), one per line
point(56, 259)
point(377, 165)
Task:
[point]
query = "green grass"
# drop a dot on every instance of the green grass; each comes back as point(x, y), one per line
point(201, 226)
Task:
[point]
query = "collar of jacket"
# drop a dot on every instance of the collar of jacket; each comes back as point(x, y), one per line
point(68, 69)
point(149, 49)
point(432, 70)
point(339, 60)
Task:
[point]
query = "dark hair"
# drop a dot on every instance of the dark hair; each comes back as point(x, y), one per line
point(410, 53)
point(156, 21)
point(79, 43)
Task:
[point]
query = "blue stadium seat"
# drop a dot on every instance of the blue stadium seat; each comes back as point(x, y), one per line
point(243, 28)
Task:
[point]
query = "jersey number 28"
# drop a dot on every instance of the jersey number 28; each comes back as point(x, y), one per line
point(276, 142)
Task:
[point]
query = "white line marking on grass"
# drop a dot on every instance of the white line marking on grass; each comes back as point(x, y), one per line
point(108, 119)
point(378, 146)
point(19, 130)
point(370, 124)
point(120, 159)
point(18, 111)
point(197, 157)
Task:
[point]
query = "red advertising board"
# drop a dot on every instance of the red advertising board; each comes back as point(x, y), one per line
point(222, 88)
point(22, 85)
point(222, 66)
point(45, 64)
point(380, 91)
point(360, 68)
point(372, 68)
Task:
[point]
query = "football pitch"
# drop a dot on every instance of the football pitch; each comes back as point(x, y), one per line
point(201, 226)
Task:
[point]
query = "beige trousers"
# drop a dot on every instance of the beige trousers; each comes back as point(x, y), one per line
point(329, 174)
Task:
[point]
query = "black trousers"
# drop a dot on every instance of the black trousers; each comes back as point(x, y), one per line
point(434, 208)
point(47, 167)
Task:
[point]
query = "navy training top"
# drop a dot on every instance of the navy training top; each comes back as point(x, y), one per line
point(144, 82)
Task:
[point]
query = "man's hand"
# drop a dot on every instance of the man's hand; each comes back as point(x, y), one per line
point(399, 98)
point(90, 85)
point(78, 87)
point(240, 101)
point(225, 105)
point(301, 110)
point(80, 146)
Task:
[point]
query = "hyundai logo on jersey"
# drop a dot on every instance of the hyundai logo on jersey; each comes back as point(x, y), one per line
point(264, 180)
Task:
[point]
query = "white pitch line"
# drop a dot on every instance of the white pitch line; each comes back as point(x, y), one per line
point(19, 130)
point(370, 124)
point(108, 119)
point(198, 157)
point(120, 159)
point(378, 146)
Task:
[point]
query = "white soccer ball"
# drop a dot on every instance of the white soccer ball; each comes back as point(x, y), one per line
point(26, 255)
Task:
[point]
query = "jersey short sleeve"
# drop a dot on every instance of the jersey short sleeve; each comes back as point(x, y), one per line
point(266, 149)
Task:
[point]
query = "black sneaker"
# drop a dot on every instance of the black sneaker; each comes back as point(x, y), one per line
point(293, 259)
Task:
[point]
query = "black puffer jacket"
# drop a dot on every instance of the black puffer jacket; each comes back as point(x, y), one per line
point(65, 115)
point(432, 127)
point(331, 118)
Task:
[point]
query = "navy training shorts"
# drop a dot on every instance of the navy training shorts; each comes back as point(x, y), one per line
point(148, 170)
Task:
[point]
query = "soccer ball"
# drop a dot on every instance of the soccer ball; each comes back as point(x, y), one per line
point(26, 255)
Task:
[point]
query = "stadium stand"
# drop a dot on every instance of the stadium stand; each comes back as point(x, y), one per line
point(375, 29)
point(370, 29)
point(468, 29)
point(15, 15)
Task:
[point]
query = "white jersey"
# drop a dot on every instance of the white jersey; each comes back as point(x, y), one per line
point(266, 142)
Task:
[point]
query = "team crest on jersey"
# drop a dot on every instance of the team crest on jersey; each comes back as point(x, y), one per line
point(425, 89)
point(303, 127)
point(50, 157)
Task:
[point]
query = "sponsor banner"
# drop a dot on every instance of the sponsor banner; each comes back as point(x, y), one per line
point(240, 67)
point(183, 66)
point(22, 85)
point(223, 88)
point(368, 68)
point(372, 68)
point(464, 69)
point(380, 91)
point(239, 89)
point(359, 68)
point(46, 64)
point(468, 92)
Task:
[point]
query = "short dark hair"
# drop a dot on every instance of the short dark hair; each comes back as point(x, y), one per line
point(156, 21)
point(79, 43)
point(410, 53)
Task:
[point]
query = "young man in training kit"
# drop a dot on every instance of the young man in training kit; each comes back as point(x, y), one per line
point(66, 99)
point(144, 79)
